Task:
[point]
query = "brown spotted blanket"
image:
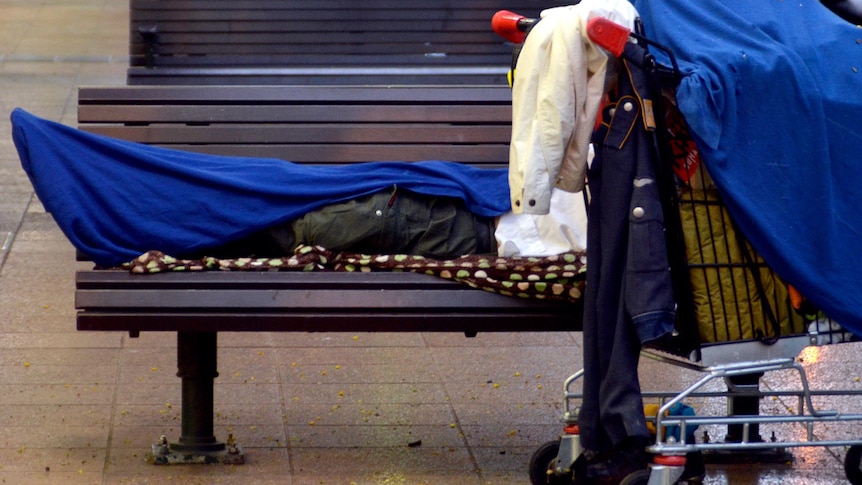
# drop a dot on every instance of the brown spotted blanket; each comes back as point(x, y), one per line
point(559, 277)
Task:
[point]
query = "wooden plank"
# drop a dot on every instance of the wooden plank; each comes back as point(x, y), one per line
point(357, 15)
point(192, 76)
point(304, 134)
point(329, 280)
point(566, 320)
point(372, 5)
point(338, 37)
point(489, 156)
point(347, 24)
point(312, 113)
point(287, 301)
point(283, 54)
point(295, 95)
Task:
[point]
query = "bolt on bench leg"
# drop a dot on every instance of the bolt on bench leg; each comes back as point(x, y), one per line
point(197, 367)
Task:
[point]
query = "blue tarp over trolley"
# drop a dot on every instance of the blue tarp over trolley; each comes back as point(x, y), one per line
point(772, 93)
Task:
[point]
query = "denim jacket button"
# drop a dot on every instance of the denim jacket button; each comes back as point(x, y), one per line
point(628, 106)
point(638, 212)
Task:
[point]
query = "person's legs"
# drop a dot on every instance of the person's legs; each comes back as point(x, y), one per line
point(393, 221)
point(353, 225)
point(438, 227)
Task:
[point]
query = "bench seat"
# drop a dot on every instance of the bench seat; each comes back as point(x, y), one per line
point(303, 302)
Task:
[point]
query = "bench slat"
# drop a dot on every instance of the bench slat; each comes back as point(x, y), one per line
point(480, 155)
point(311, 113)
point(564, 321)
point(357, 13)
point(244, 76)
point(322, 134)
point(372, 5)
point(302, 95)
point(284, 58)
point(245, 280)
point(440, 300)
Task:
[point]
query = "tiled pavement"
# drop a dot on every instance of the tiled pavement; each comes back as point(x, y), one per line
point(81, 407)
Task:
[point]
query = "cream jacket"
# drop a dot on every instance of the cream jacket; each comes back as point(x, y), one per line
point(559, 84)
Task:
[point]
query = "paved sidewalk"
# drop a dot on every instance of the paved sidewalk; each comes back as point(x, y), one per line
point(391, 409)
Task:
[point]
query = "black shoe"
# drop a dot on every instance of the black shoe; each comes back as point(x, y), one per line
point(626, 458)
point(579, 471)
point(694, 470)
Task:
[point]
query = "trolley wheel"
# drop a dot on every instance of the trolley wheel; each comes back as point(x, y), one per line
point(853, 465)
point(542, 465)
point(640, 477)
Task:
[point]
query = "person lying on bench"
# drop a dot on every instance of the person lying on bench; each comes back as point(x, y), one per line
point(399, 221)
point(116, 199)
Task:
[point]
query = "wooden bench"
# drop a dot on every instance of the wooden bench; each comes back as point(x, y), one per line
point(197, 42)
point(322, 125)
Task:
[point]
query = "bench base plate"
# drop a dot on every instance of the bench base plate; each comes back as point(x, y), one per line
point(162, 454)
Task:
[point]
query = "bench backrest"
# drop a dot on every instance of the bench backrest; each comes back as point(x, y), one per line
point(319, 41)
point(310, 124)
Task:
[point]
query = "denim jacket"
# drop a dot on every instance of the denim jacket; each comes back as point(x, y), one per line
point(646, 288)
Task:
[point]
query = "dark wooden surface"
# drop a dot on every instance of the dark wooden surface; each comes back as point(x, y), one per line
point(317, 301)
point(197, 42)
point(318, 125)
point(310, 124)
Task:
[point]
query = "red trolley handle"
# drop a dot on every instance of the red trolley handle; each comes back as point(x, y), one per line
point(609, 35)
point(511, 26)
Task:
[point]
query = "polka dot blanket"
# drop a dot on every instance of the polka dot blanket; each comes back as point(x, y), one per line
point(559, 277)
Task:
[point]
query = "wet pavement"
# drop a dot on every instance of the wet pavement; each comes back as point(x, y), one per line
point(78, 407)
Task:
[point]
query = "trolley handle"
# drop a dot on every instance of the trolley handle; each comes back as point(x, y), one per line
point(609, 35)
point(511, 26)
point(614, 38)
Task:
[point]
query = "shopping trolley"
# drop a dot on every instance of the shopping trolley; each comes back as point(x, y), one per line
point(736, 319)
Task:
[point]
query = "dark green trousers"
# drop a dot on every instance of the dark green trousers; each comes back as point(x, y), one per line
point(395, 221)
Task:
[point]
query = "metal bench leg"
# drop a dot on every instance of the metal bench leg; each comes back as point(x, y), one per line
point(740, 404)
point(197, 367)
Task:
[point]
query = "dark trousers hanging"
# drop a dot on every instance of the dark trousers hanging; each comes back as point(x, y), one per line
point(628, 297)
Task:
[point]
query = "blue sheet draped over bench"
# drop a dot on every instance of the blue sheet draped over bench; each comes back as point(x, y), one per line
point(116, 199)
point(773, 96)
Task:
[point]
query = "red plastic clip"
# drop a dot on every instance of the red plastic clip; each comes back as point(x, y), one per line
point(669, 460)
point(508, 25)
point(609, 35)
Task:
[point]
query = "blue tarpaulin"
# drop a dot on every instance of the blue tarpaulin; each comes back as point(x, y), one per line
point(116, 199)
point(773, 96)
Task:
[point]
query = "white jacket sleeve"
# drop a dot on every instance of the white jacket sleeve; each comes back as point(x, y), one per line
point(559, 84)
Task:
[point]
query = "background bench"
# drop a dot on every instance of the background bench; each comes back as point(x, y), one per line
point(212, 42)
point(322, 125)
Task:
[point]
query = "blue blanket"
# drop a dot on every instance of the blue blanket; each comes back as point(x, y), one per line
point(773, 95)
point(115, 199)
